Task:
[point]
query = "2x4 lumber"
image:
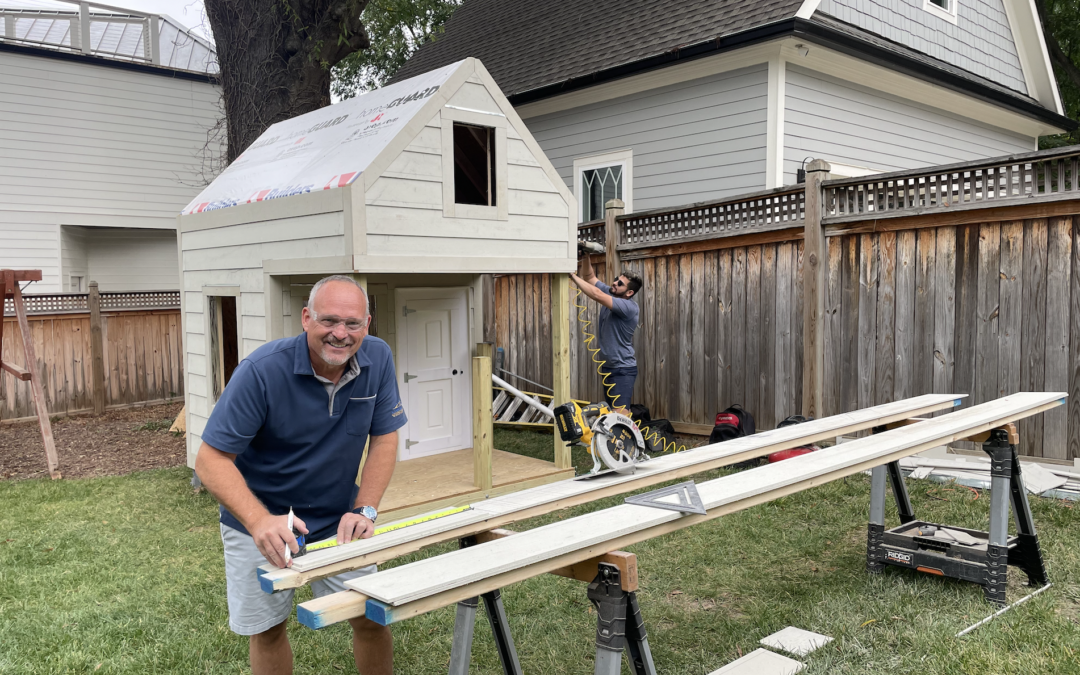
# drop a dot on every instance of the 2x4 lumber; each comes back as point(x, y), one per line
point(18, 372)
point(35, 384)
point(419, 587)
point(345, 605)
point(560, 356)
point(483, 433)
point(493, 513)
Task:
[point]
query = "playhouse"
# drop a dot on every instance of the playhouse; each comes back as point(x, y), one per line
point(416, 190)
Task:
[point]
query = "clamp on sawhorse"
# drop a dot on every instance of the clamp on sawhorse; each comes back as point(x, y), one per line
point(970, 555)
point(612, 591)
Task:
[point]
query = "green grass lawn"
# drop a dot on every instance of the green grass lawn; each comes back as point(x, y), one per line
point(124, 575)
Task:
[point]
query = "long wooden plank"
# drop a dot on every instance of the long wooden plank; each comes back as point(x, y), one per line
point(419, 587)
point(499, 511)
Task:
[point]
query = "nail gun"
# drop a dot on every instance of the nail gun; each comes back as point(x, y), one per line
point(612, 438)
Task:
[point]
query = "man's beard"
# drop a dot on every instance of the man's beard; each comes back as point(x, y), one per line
point(335, 359)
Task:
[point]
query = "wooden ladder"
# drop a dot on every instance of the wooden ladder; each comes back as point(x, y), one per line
point(10, 279)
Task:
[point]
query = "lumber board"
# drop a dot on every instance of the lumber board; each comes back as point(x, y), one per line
point(498, 511)
point(1056, 365)
point(422, 586)
point(1033, 335)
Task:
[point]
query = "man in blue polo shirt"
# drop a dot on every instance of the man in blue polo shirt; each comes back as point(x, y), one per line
point(289, 432)
point(618, 321)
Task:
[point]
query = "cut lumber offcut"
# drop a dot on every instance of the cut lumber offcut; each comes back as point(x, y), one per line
point(498, 511)
point(420, 587)
point(345, 605)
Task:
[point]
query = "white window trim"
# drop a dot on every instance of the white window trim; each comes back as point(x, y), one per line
point(947, 14)
point(839, 170)
point(624, 157)
point(451, 209)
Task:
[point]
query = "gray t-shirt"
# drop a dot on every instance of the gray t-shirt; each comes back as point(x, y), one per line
point(617, 327)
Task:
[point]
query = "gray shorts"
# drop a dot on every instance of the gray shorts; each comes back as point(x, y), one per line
point(252, 610)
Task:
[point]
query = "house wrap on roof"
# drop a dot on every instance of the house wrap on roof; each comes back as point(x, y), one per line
point(669, 102)
point(106, 120)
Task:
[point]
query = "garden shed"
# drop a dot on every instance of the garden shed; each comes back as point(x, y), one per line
point(416, 190)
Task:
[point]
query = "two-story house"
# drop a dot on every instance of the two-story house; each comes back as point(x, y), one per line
point(669, 102)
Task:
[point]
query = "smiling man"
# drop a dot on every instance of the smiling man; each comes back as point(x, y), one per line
point(289, 432)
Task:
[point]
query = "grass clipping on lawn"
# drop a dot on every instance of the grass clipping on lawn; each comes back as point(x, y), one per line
point(125, 575)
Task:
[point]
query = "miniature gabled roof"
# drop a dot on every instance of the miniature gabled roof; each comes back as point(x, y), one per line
point(321, 150)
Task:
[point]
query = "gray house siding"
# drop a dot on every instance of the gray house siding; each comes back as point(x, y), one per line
point(840, 122)
point(697, 140)
point(980, 42)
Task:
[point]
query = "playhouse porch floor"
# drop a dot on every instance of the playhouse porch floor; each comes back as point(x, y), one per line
point(444, 480)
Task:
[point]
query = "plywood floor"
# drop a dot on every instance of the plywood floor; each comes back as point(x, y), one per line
point(427, 483)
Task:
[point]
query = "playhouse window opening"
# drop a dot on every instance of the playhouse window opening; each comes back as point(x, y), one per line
point(474, 165)
point(224, 350)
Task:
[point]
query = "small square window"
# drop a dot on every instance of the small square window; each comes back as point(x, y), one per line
point(474, 165)
point(598, 186)
point(944, 9)
point(944, 4)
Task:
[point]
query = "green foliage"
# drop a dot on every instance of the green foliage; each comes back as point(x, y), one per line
point(1061, 20)
point(396, 29)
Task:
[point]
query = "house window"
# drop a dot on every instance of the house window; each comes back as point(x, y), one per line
point(601, 178)
point(224, 354)
point(945, 9)
point(474, 165)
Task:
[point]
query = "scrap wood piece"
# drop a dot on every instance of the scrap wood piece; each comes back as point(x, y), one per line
point(425, 585)
point(796, 641)
point(761, 662)
point(344, 605)
point(493, 513)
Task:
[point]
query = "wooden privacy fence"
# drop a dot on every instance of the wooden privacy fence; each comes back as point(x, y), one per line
point(141, 351)
point(959, 279)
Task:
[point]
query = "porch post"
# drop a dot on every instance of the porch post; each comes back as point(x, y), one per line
point(560, 357)
point(814, 254)
point(483, 425)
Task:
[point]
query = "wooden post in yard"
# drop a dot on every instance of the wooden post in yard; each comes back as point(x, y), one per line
point(97, 351)
point(9, 280)
point(814, 255)
point(612, 209)
point(483, 424)
point(560, 357)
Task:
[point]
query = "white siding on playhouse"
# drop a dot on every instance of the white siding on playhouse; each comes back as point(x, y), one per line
point(692, 141)
point(84, 144)
point(233, 256)
point(840, 122)
point(980, 41)
point(404, 206)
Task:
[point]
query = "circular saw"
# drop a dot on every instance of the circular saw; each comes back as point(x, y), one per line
point(613, 439)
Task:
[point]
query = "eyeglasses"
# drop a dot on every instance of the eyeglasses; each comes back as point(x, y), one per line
point(331, 322)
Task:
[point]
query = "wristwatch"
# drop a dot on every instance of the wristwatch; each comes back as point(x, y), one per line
point(368, 512)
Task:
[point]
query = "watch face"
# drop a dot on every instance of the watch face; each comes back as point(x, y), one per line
point(369, 512)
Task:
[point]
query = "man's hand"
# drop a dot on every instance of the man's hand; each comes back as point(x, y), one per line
point(272, 535)
point(354, 526)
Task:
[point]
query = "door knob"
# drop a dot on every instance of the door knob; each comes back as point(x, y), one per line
point(455, 372)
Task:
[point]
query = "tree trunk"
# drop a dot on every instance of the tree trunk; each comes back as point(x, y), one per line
point(275, 58)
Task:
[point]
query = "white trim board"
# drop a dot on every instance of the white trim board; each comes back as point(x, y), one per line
point(421, 586)
point(499, 511)
point(1034, 58)
point(774, 130)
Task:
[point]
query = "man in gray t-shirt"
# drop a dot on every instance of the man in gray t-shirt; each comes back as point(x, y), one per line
point(615, 330)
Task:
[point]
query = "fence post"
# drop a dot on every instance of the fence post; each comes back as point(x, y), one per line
point(815, 256)
point(97, 352)
point(483, 424)
point(613, 208)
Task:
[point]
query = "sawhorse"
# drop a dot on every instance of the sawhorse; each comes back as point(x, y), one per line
point(9, 281)
point(971, 555)
point(619, 626)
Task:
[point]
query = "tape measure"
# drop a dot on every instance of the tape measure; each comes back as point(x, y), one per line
point(330, 543)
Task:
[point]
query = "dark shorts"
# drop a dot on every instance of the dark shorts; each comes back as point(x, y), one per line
point(619, 396)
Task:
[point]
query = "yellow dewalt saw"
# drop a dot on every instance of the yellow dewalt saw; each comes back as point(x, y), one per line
point(613, 439)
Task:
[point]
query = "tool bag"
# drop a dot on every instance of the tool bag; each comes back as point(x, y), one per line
point(659, 435)
point(732, 423)
point(792, 452)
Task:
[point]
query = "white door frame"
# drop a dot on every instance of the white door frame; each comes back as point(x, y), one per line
point(459, 330)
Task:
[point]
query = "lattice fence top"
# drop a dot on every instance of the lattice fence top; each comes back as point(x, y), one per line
point(1049, 174)
point(738, 215)
point(79, 303)
point(593, 231)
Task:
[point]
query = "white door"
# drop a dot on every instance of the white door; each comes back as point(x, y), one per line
point(435, 370)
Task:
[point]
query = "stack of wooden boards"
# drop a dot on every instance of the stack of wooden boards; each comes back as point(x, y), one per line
point(403, 592)
point(499, 511)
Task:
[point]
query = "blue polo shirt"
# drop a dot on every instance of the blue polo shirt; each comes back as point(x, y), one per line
point(292, 447)
point(617, 326)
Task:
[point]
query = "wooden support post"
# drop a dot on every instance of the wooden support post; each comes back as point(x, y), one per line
point(814, 254)
point(560, 357)
point(612, 209)
point(483, 426)
point(486, 349)
point(35, 384)
point(97, 352)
